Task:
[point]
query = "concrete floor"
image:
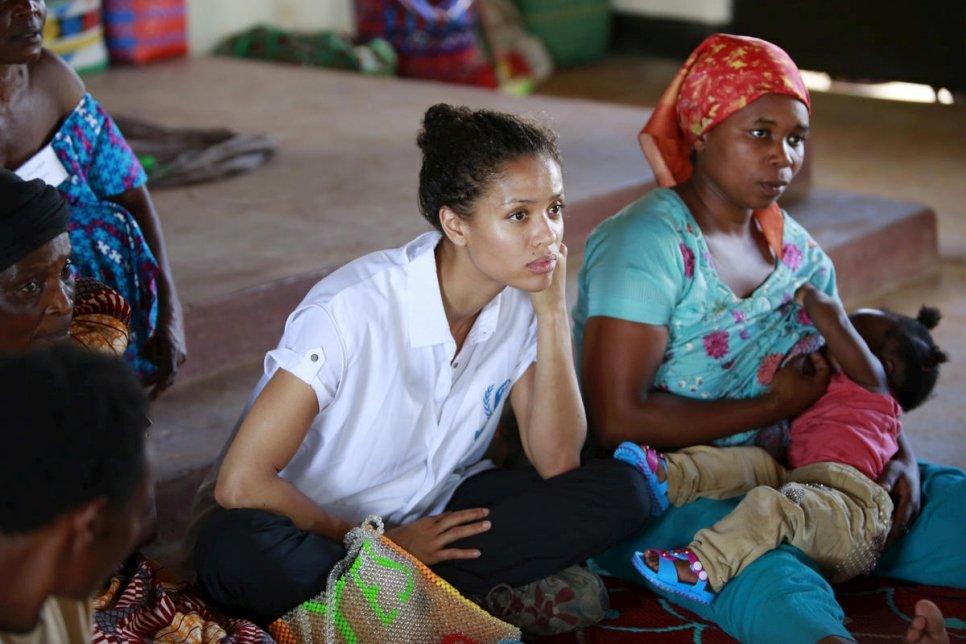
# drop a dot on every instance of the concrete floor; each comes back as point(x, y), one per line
point(252, 245)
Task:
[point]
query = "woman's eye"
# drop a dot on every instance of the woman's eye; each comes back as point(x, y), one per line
point(759, 133)
point(519, 215)
point(796, 141)
point(557, 210)
point(31, 288)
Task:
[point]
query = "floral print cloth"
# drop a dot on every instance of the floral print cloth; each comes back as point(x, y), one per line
point(650, 264)
point(108, 244)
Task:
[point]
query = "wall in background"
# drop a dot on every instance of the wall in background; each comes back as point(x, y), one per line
point(211, 20)
point(711, 12)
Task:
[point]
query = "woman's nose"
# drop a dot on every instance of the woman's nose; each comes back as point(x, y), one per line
point(546, 233)
point(63, 299)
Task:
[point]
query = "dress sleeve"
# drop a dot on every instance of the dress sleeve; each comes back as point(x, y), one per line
point(313, 351)
point(634, 269)
point(113, 168)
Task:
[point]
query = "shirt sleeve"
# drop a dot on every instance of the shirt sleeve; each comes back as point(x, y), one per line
point(634, 270)
point(312, 350)
point(114, 168)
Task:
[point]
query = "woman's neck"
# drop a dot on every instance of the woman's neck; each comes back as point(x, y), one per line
point(464, 291)
point(712, 211)
point(13, 78)
point(20, 601)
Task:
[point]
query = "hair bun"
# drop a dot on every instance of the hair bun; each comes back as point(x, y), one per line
point(929, 317)
point(935, 358)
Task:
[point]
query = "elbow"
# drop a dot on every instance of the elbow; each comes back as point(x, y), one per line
point(609, 428)
point(561, 464)
point(231, 492)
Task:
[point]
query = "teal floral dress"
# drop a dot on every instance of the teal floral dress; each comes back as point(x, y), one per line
point(650, 264)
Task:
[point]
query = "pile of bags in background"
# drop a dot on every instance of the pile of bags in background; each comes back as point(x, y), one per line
point(90, 33)
point(512, 44)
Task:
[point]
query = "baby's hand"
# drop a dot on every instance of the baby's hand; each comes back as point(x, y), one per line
point(802, 292)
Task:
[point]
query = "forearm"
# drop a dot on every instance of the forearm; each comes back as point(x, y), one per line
point(556, 425)
point(667, 421)
point(278, 496)
point(843, 341)
point(905, 453)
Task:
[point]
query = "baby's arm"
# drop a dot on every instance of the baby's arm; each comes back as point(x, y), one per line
point(844, 342)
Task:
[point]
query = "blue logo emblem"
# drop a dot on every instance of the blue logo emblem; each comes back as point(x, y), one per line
point(491, 402)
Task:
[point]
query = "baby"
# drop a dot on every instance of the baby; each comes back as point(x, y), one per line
point(828, 504)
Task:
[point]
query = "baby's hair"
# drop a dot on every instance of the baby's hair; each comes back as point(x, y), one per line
point(918, 356)
point(464, 149)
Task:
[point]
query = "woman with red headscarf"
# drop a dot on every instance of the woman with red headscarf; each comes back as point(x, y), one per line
point(688, 332)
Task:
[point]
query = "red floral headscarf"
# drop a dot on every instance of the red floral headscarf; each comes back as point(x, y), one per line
point(724, 74)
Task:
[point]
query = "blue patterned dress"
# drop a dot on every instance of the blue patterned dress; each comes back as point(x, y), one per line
point(108, 243)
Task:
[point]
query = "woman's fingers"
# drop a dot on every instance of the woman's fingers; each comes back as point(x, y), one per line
point(453, 518)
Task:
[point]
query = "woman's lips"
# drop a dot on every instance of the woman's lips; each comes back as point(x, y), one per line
point(773, 188)
point(545, 264)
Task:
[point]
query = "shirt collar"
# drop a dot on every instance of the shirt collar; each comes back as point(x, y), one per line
point(427, 318)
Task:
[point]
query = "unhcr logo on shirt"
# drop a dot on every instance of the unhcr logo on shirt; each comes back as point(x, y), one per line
point(491, 401)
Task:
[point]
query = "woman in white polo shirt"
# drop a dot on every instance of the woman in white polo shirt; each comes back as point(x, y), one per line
point(389, 381)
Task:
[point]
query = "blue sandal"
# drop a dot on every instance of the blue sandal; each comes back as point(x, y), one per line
point(647, 461)
point(666, 577)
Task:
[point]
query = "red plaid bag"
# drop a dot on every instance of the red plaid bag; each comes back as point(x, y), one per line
point(139, 31)
point(434, 39)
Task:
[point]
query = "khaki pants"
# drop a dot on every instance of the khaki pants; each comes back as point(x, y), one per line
point(830, 511)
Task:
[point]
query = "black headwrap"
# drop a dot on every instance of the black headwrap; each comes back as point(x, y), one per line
point(31, 214)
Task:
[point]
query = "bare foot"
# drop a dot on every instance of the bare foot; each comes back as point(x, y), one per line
point(685, 574)
point(927, 626)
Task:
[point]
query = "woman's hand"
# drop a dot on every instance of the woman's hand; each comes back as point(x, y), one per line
point(900, 479)
point(553, 298)
point(798, 384)
point(167, 348)
point(427, 538)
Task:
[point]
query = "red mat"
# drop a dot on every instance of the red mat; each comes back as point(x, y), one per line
point(877, 610)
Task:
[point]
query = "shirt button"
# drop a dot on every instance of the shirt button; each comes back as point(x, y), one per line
point(314, 357)
point(455, 365)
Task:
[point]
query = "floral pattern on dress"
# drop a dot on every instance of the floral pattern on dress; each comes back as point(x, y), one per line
point(108, 245)
point(723, 346)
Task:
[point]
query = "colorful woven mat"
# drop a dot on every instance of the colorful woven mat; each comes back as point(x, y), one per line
point(877, 610)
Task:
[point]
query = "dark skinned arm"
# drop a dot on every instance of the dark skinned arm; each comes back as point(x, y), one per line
point(619, 362)
point(843, 341)
point(167, 346)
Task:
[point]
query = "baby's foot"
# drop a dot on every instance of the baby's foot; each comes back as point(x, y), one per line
point(676, 571)
point(927, 626)
point(653, 467)
point(685, 575)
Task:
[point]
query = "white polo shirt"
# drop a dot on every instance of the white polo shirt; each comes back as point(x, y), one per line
point(402, 422)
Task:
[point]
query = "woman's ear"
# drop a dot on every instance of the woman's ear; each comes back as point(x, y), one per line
point(699, 144)
point(86, 524)
point(454, 226)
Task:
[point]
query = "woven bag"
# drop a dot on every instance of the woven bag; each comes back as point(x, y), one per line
point(381, 593)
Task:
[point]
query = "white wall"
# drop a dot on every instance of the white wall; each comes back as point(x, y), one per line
point(710, 12)
point(211, 20)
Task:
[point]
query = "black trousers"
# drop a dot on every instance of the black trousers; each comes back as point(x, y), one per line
point(259, 565)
